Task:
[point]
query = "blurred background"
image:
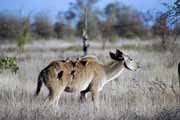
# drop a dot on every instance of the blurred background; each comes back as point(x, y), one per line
point(107, 20)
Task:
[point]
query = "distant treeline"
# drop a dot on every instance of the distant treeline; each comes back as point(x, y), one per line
point(113, 21)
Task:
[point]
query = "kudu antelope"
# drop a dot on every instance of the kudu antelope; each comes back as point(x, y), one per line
point(83, 75)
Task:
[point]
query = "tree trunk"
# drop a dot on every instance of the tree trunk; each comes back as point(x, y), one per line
point(179, 73)
point(104, 40)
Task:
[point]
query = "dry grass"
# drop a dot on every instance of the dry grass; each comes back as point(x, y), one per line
point(151, 93)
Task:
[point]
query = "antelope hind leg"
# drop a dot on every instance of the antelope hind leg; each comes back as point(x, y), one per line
point(54, 95)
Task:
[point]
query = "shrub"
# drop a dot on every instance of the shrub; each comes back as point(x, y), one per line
point(25, 35)
point(9, 63)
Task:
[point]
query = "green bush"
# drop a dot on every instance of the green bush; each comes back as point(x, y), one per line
point(25, 35)
point(22, 40)
point(9, 63)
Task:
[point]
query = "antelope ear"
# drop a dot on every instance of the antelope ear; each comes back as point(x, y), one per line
point(118, 52)
point(112, 55)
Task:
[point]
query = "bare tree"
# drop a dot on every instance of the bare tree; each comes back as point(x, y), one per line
point(85, 42)
point(160, 28)
point(84, 34)
point(173, 17)
point(87, 8)
point(179, 72)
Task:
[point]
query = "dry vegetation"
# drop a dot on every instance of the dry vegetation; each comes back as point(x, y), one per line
point(150, 93)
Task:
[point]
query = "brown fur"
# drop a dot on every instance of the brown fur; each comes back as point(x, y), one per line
point(84, 75)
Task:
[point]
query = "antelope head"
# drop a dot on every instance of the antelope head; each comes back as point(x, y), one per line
point(128, 62)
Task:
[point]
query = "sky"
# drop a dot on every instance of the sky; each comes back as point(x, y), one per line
point(52, 7)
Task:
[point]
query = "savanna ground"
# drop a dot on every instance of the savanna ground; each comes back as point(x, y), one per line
point(151, 93)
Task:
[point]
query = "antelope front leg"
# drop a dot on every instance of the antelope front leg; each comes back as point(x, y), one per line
point(95, 99)
point(84, 92)
point(82, 96)
point(59, 95)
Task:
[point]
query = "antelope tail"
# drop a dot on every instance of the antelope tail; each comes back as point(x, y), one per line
point(39, 84)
